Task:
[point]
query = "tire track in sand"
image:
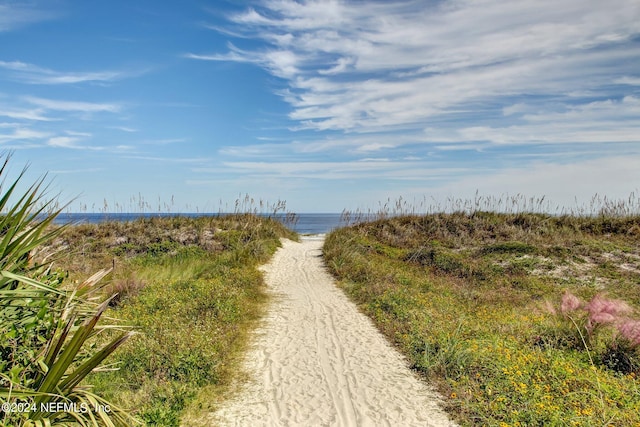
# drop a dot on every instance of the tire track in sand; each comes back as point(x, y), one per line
point(317, 361)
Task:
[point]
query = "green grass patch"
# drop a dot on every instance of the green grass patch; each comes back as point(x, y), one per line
point(191, 288)
point(473, 301)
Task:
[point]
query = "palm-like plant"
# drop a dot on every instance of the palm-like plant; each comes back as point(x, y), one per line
point(46, 331)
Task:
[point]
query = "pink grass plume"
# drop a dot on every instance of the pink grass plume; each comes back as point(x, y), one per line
point(600, 304)
point(569, 303)
point(630, 329)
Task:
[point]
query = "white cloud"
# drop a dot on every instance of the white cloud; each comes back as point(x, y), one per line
point(526, 96)
point(596, 122)
point(281, 63)
point(31, 114)
point(125, 129)
point(376, 146)
point(17, 14)
point(78, 141)
point(23, 134)
point(63, 142)
point(75, 171)
point(615, 177)
point(379, 65)
point(76, 106)
point(349, 144)
point(328, 170)
point(165, 141)
point(33, 74)
point(632, 81)
point(193, 160)
point(79, 134)
point(234, 54)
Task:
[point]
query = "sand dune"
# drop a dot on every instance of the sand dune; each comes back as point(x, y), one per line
point(317, 361)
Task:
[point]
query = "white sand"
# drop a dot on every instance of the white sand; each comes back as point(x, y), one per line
point(317, 361)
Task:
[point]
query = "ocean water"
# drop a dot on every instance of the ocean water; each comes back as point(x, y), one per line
point(306, 223)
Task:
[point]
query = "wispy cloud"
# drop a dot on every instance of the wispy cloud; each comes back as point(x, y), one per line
point(83, 141)
point(609, 121)
point(186, 160)
point(73, 106)
point(611, 176)
point(372, 168)
point(75, 171)
point(14, 15)
point(45, 122)
point(33, 74)
point(397, 65)
point(64, 142)
point(164, 141)
point(124, 129)
point(234, 54)
point(633, 81)
point(345, 145)
point(22, 134)
point(25, 114)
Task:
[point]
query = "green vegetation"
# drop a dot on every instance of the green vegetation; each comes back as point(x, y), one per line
point(184, 291)
point(191, 289)
point(48, 331)
point(519, 319)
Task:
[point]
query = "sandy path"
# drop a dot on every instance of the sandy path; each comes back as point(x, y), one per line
point(317, 361)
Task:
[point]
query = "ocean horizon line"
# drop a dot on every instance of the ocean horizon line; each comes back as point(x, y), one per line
point(304, 223)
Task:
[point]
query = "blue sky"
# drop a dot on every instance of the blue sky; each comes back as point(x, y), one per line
point(325, 104)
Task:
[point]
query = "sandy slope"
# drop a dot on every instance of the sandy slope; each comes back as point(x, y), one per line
point(317, 361)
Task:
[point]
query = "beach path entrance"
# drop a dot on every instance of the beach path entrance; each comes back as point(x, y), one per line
point(317, 361)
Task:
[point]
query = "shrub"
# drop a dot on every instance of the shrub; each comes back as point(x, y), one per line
point(46, 331)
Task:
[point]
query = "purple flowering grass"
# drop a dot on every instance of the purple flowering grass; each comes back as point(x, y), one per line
point(603, 311)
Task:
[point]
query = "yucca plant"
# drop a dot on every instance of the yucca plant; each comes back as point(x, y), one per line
point(47, 332)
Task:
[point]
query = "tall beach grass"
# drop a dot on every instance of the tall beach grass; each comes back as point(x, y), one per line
point(598, 205)
point(473, 297)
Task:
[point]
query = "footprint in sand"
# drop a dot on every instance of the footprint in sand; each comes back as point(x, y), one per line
point(317, 361)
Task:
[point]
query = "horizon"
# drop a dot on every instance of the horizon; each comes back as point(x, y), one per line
point(503, 204)
point(327, 105)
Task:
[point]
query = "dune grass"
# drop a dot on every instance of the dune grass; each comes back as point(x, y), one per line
point(190, 288)
point(518, 318)
point(475, 301)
